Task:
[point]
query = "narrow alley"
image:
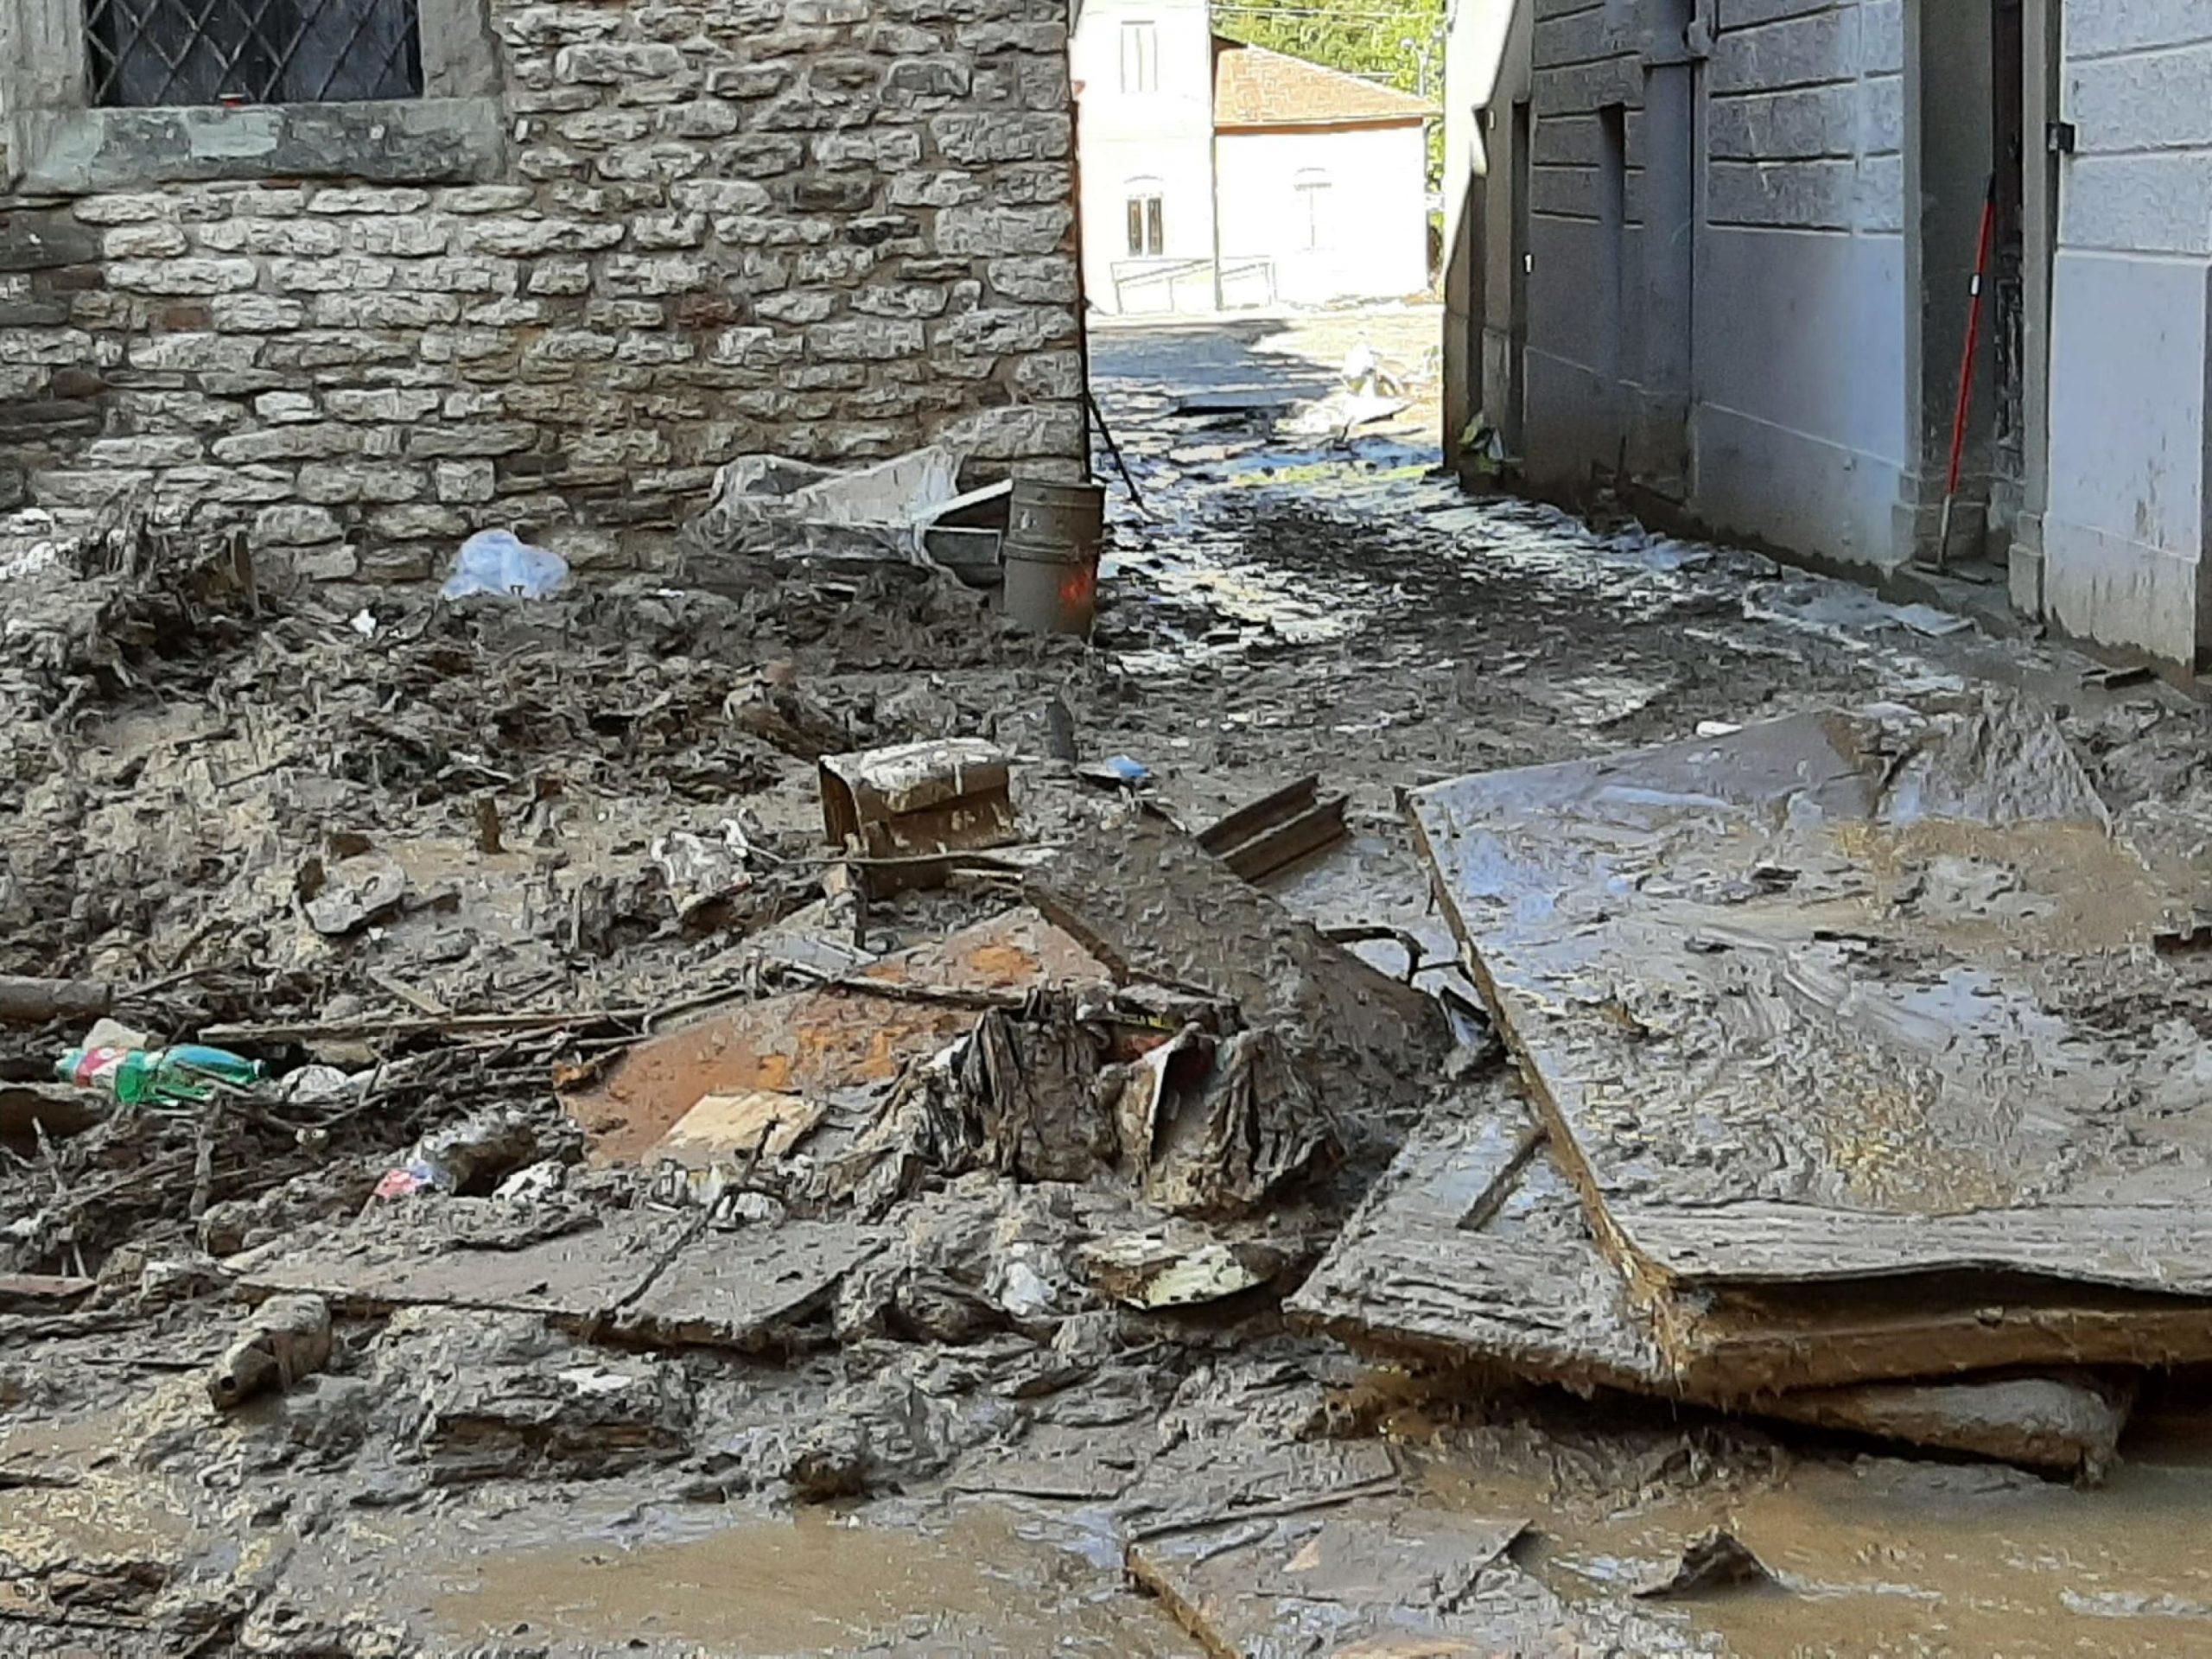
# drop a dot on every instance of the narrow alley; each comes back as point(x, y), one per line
point(651, 1234)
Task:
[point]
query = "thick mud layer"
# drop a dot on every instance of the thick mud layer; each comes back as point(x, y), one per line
point(946, 1435)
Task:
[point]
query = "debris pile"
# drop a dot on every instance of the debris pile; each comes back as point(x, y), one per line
point(1834, 1116)
point(553, 1085)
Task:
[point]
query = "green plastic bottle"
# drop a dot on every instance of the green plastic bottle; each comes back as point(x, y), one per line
point(187, 1072)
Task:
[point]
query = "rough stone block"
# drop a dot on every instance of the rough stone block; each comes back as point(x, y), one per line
point(345, 483)
point(465, 482)
point(527, 238)
point(1045, 279)
point(143, 451)
point(280, 407)
point(971, 139)
point(934, 190)
point(256, 314)
point(485, 438)
point(156, 240)
point(418, 521)
point(609, 63)
point(981, 229)
point(317, 276)
point(871, 338)
point(34, 240)
point(934, 81)
point(403, 238)
point(368, 199)
point(182, 277)
point(294, 525)
point(375, 310)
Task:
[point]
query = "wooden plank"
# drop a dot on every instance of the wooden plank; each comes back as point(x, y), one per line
point(454, 1253)
point(748, 1290)
point(1279, 849)
point(1253, 817)
point(1843, 997)
point(1474, 1249)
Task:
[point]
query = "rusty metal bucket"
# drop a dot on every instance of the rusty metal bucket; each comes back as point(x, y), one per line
point(1053, 535)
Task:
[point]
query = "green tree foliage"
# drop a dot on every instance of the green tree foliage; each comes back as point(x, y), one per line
point(1399, 42)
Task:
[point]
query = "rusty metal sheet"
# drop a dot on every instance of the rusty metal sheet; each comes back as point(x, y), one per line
point(832, 1047)
point(1841, 997)
point(1473, 1247)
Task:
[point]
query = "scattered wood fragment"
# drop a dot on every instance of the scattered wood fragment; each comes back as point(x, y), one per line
point(1276, 831)
point(287, 1338)
point(30, 1001)
point(317, 1030)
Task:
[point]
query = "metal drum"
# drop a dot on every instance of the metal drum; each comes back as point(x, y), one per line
point(1053, 534)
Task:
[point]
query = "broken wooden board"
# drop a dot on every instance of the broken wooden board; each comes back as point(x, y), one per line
point(1843, 997)
point(42, 1292)
point(468, 1252)
point(748, 1290)
point(1474, 1249)
point(942, 795)
point(1355, 1572)
point(1317, 1582)
point(1145, 900)
point(740, 1128)
point(837, 1048)
point(1271, 834)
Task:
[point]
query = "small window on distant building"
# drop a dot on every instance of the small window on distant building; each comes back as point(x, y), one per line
point(1148, 235)
point(144, 52)
point(1312, 189)
point(1139, 57)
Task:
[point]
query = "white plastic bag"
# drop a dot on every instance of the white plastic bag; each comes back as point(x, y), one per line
point(496, 562)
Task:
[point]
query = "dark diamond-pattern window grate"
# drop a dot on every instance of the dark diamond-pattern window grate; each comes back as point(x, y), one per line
point(168, 51)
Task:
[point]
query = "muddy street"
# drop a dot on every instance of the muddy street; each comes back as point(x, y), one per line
point(650, 1223)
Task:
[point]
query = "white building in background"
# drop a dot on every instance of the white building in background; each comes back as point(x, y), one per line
point(1217, 175)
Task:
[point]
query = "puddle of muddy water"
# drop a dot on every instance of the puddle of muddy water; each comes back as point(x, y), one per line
point(815, 1583)
point(1881, 1557)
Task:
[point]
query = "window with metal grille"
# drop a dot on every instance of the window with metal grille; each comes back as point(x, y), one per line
point(169, 52)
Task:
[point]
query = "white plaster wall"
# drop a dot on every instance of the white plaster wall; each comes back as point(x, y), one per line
point(2124, 530)
point(1165, 135)
point(1374, 240)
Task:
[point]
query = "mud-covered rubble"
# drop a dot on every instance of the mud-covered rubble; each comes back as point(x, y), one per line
point(772, 1258)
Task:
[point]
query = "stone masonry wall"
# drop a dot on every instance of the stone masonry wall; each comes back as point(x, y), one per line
point(834, 229)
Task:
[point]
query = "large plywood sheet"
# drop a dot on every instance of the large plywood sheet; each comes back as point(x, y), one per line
point(1844, 997)
point(1473, 1249)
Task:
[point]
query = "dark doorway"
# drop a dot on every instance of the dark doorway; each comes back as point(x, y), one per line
point(2008, 271)
point(1612, 231)
point(1517, 413)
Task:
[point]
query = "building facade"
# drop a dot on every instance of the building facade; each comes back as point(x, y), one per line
point(1721, 255)
point(1218, 176)
point(448, 264)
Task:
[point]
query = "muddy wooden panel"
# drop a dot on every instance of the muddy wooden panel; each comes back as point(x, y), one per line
point(441, 1257)
point(1375, 1577)
point(1474, 1249)
point(1842, 997)
point(830, 1046)
point(2069, 1421)
point(1145, 901)
point(748, 1289)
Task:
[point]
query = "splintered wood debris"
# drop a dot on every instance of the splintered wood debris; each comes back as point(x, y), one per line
point(1474, 1249)
point(1847, 1021)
